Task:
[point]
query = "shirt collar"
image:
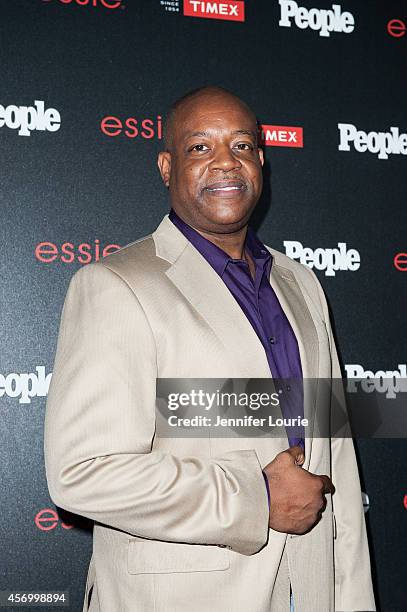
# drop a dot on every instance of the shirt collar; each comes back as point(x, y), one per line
point(215, 255)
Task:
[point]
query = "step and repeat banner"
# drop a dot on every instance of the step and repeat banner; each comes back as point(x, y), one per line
point(85, 85)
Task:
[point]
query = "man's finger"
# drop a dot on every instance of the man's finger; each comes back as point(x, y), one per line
point(297, 454)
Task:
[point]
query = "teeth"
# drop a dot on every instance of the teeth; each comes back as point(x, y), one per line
point(225, 189)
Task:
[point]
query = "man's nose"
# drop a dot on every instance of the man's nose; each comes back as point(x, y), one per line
point(224, 159)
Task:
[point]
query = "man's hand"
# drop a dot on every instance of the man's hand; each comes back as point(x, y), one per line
point(297, 497)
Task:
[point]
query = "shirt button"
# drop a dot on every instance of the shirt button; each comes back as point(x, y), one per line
point(272, 340)
point(288, 388)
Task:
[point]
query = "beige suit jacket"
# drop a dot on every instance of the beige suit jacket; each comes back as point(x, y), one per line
point(181, 524)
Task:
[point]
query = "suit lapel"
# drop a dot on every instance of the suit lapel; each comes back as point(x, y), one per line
point(296, 310)
point(210, 297)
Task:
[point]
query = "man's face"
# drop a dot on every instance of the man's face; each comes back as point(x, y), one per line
point(214, 167)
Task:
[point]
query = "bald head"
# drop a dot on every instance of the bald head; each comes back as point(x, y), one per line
point(197, 99)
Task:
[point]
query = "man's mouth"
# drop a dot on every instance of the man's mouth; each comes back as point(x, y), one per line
point(226, 187)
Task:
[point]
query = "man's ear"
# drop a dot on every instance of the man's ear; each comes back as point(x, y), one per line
point(164, 166)
point(261, 156)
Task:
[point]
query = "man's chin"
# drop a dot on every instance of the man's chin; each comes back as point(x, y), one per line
point(227, 215)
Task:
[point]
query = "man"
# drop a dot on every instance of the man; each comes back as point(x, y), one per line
point(195, 524)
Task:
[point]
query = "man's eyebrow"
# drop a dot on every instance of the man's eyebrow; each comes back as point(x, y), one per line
point(247, 132)
point(204, 134)
point(192, 134)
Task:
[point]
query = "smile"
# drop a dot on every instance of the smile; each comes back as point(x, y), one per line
point(225, 188)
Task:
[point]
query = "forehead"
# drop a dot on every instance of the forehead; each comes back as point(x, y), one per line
point(212, 114)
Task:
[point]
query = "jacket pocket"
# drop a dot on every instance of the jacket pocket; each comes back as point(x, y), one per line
point(154, 557)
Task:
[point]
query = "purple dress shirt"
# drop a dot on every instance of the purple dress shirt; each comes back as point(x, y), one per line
point(260, 304)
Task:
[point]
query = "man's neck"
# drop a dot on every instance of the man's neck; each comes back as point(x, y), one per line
point(232, 244)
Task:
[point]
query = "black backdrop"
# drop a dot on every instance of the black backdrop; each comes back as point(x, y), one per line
point(84, 182)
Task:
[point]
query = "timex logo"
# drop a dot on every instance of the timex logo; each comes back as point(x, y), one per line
point(281, 136)
point(217, 9)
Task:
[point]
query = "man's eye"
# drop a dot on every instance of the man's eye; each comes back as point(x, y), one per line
point(199, 147)
point(244, 146)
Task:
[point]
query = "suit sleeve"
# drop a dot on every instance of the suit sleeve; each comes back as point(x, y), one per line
point(353, 582)
point(99, 431)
